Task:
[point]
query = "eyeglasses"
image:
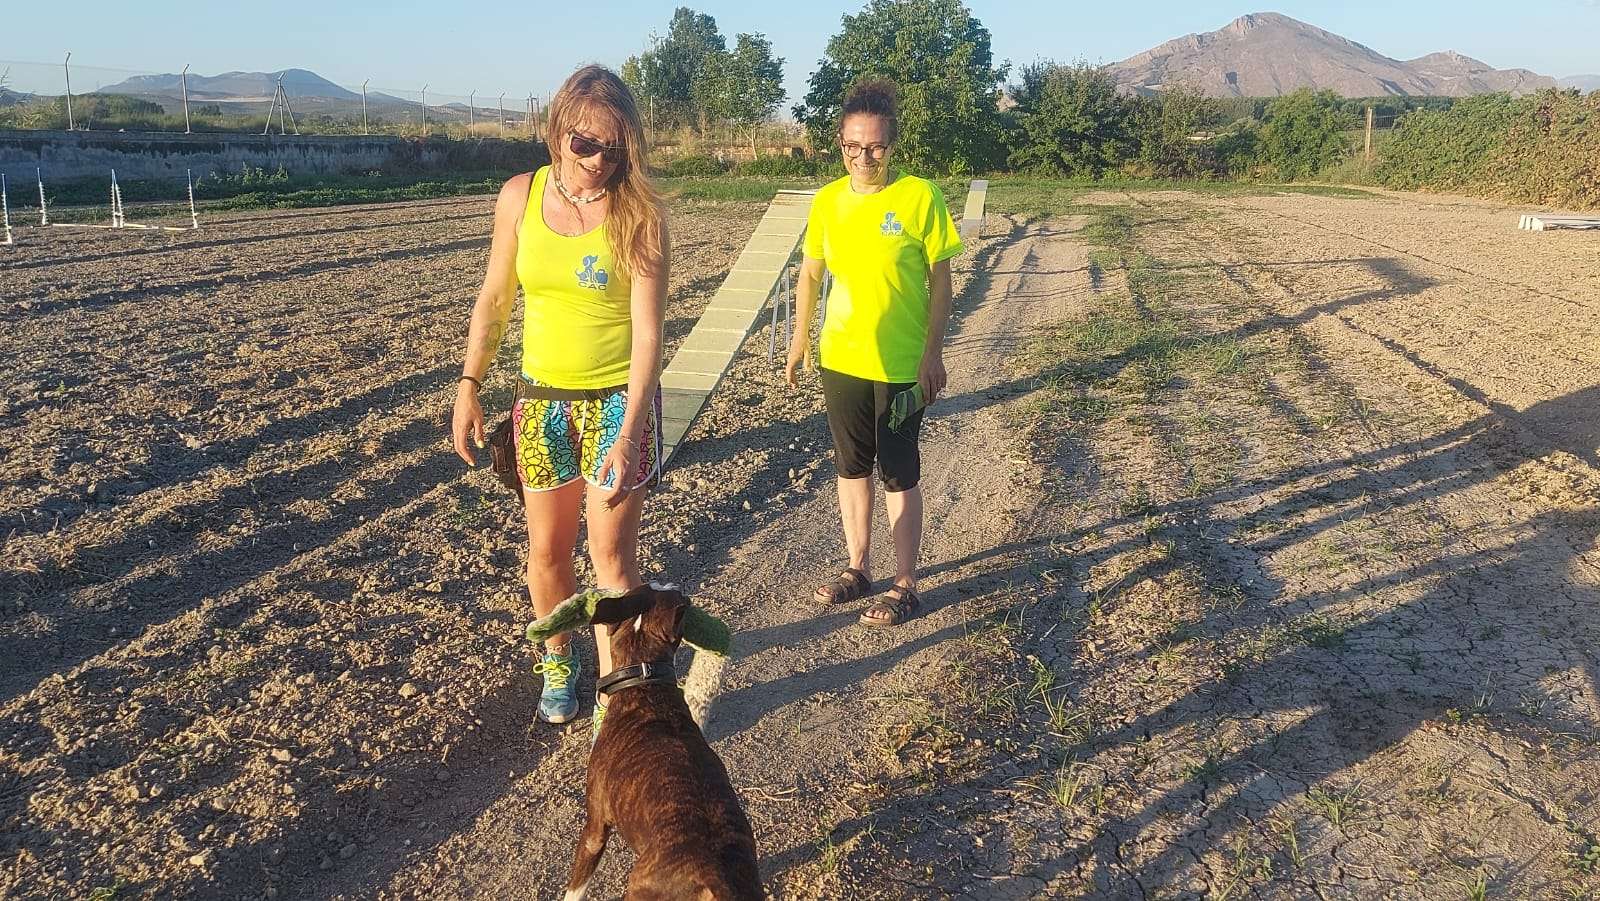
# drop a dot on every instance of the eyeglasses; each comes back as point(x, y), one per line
point(873, 151)
point(583, 147)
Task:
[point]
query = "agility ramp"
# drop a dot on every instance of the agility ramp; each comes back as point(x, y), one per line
point(972, 215)
point(703, 359)
point(1541, 222)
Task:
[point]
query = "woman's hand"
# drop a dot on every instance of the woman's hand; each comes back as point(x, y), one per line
point(467, 421)
point(931, 375)
point(799, 353)
point(621, 463)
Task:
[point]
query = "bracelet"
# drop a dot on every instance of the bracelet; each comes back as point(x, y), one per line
point(629, 440)
point(475, 383)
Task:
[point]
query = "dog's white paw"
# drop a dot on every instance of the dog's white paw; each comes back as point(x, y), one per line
point(576, 894)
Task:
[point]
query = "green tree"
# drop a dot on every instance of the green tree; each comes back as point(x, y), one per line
point(1070, 121)
point(1304, 132)
point(664, 76)
point(742, 87)
point(939, 56)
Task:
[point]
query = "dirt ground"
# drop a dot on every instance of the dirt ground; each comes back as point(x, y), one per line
point(1262, 560)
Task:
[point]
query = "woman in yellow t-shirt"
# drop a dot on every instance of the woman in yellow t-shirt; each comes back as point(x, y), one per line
point(586, 238)
point(887, 237)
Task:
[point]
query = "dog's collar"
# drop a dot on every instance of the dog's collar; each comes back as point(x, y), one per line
point(654, 671)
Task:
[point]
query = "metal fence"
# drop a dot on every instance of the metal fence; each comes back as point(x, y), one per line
point(67, 95)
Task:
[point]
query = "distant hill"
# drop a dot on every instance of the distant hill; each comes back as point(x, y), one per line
point(251, 92)
point(233, 86)
point(1585, 83)
point(1268, 54)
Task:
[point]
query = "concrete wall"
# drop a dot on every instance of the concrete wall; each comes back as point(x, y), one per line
point(63, 155)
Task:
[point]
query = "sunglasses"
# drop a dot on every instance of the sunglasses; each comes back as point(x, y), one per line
point(584, 147)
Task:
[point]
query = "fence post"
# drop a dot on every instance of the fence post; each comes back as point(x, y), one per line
point(502, 114)
point(530, 115)
point(364, 107)
point(67, 69)
point(423, 102)
point(1368, 153)
point(472, 112)
point(183, 79)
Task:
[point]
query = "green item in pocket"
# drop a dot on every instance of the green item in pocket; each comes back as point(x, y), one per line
point(904, 405)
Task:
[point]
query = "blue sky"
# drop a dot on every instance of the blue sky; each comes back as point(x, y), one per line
point(523, 48)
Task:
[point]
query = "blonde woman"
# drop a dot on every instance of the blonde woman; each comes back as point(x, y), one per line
point(586, 238)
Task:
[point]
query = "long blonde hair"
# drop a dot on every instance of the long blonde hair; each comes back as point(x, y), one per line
point(634, 217)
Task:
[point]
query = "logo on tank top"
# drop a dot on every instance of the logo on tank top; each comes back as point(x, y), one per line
point(890, 226)
point(590, 277)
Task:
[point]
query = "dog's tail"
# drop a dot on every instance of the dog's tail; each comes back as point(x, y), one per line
point(703, 684)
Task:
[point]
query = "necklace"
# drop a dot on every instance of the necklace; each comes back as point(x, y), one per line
point(571, 197)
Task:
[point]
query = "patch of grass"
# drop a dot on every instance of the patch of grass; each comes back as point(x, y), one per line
point(107, 892)
point(728, 188)
point(1339, 808)
point(1059, 197)
point(1318, 630)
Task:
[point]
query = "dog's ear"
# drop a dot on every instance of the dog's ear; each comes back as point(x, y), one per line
point(609, 611)
point(706, 633)
point(570, 614)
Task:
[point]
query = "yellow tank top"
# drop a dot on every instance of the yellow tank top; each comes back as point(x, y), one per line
point(577, 324)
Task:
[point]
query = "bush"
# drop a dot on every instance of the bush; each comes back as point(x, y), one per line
point(1070, 121)
point(693, 165)
point(1304, 133)
point(1543, 148)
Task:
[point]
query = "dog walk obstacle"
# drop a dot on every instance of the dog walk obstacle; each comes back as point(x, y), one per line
point(1539, 222)
point(119, 216)
point(972, 215)
point(760, 276)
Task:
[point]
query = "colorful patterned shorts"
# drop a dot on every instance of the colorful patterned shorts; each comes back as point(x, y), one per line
point(560, 441)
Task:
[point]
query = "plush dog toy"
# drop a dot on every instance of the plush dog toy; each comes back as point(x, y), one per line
point(705, 633)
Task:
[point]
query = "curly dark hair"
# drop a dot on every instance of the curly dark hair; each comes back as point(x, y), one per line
point(874, 97)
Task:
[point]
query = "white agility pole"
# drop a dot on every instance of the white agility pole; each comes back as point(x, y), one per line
point(44, 209)
point(119, 215)
point(5, 207)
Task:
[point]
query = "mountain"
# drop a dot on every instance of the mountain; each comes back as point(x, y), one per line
point(1584, 83)
point(233, 86)
point(1267, 54)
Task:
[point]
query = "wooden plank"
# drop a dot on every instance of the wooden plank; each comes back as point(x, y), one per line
point(703, 359)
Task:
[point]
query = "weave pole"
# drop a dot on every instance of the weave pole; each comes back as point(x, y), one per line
point(5, 208)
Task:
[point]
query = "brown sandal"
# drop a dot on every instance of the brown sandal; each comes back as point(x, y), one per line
point(899, 607)
point(851, 585)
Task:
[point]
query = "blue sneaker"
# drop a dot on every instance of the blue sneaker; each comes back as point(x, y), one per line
point(558, 703)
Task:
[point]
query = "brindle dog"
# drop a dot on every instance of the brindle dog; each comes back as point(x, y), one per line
point(653, 777)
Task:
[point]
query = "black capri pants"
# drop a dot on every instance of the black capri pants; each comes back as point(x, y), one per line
point(858, 417)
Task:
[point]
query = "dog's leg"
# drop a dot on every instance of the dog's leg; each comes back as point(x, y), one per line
point(591, 844)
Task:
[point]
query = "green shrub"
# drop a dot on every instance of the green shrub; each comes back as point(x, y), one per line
point(1070, 121)
point(1543, 148)
point(1304, 133)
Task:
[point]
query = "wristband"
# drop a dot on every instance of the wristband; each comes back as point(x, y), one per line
point(475, 383)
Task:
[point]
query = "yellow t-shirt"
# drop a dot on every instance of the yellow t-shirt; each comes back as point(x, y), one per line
point(880, 248)
point(577, 325)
